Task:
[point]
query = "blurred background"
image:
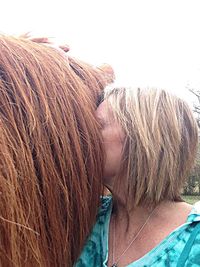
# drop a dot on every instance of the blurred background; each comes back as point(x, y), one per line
point(148, 43)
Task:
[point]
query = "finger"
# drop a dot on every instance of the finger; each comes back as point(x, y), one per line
point(44, 40)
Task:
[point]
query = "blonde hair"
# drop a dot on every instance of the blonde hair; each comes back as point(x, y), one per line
point(50, 154)
point(160, 146)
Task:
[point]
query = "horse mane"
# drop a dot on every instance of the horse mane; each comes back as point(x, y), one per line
point(50, 154)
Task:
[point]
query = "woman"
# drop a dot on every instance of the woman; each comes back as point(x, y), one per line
point(50, 160)
point(150, 140)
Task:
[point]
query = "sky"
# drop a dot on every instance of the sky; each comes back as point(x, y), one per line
point(149, 43)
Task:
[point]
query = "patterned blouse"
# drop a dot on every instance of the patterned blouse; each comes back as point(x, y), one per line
point(167, 253)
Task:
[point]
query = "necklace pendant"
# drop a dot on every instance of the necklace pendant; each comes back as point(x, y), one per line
point(114, 265)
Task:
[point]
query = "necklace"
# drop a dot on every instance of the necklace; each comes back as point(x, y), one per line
point(115, 262)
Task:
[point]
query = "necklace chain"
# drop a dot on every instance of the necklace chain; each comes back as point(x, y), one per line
point(115, 262)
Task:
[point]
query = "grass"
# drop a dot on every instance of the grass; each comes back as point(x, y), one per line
point(191, 199)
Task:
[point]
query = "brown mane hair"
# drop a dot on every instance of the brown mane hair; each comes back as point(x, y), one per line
point(50, 155)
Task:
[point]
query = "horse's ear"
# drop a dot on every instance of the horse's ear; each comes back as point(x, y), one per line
point(108, 71)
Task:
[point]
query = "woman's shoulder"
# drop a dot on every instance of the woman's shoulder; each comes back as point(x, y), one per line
point(194, 215)
point(191, 251)
point(196, 207)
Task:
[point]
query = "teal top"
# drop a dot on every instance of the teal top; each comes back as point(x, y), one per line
point(167, 253)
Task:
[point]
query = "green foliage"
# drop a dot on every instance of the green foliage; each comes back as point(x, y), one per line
point(191, 199)
point(192, 186)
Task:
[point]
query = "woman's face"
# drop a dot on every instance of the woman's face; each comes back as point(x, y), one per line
point(113, 141)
